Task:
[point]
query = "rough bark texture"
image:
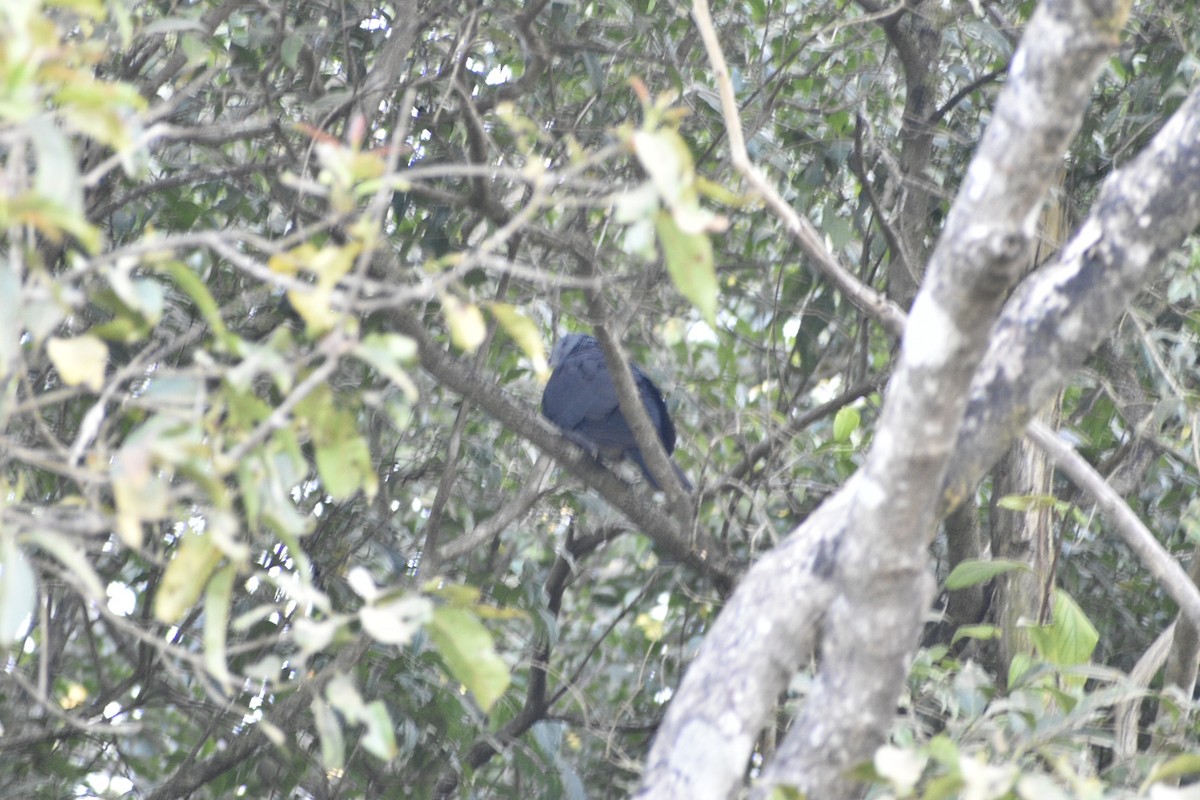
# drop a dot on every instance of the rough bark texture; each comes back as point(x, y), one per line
point(884, 582)
point(1184, 658)
point(876, 573)
point(916, 39)
point(746, 660)
point(1022, 597)
point(638, 505)
point(1061, 312)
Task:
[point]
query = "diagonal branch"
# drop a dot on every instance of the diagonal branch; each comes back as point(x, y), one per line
point(1060, 313)
point(1165, 569)
point(873, 580)
point(697, 551)
point(798, 227)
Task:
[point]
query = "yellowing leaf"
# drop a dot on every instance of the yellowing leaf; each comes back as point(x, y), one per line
point(138, 493)
point(79, 361)
point(525, 333)
point(467, 327)
point(185, 577)
point(331, 264)
point(216, 616)
point(651, 628)
point(74, 697)
point(313, 306)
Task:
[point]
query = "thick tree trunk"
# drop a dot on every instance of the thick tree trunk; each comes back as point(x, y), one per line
point(865, 548)
point(1022, 597)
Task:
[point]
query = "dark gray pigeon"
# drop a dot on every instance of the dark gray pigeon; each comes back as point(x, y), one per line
point(581, 400)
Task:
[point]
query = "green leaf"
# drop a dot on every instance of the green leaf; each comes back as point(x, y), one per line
point(395, 621)
point(388, 354)
point(1020, 664)
point(944, 751)
point(1181, 766)
point(978, 632)
point(971, 573)
point(191, 285)
point(217, 602)
point(1070, 639)
point(525, 333)
point(343, 695)
point(185, 577)
point(343, 458)
point(785, 793)
point(845, 423)
point(380, 738)
point(57, 178)
point(329, 729)
point(466, 647)
point(18, 589)
point(289, 51)
point(689, 258)
point(140, 296)
point(345, 467)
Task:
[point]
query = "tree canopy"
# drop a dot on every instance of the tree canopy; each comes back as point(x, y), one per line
point(279, 516)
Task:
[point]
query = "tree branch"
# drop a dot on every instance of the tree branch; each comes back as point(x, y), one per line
point(698, 552)
point(1059, 314)
point(888, 508)
point(806, 236)
point(1165, 569)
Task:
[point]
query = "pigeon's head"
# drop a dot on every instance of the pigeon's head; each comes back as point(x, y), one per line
point(567, 345)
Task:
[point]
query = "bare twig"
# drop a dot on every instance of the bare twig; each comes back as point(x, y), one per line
point(1165, 569)
point(805, 234)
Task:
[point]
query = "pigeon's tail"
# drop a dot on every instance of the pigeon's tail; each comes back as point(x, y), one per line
point(636, 455)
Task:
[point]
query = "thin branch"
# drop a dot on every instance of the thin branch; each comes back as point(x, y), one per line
point(888, 314)
point(531, 491)
point(1165, 569)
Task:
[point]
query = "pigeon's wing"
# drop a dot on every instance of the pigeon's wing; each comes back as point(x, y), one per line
point(656, 409)
point(580, 397)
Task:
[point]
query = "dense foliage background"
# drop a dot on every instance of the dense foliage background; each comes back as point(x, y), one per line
point(271, 274)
